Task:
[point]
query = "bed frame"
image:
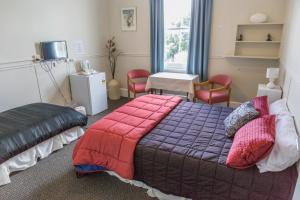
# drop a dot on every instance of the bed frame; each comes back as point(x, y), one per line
point(291, 91)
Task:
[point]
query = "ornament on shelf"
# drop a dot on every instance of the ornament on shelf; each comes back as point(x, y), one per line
point(269, 37)
point(240, 37)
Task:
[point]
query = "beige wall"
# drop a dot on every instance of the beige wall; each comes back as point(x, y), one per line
point(290, 63)
point(290, 60)
point(226, 14)
point(24, 23)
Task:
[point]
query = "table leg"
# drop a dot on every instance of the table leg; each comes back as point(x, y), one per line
point(187, 97)
point(160, 91)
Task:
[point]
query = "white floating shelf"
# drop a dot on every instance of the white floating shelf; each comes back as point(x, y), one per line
point(265, 42)
point(259, 24)
point(254, 57)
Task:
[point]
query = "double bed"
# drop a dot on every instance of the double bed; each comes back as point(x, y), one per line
point(182, 156)
point(34, 131)
point(185, 155)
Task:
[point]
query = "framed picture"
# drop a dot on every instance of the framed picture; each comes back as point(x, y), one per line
point(128, 19)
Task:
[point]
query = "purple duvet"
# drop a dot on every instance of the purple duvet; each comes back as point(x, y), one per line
point(185, 155)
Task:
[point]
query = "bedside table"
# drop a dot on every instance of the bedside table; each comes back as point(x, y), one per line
point(273, 94)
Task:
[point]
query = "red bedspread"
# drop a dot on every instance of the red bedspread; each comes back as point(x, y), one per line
point(111, 141)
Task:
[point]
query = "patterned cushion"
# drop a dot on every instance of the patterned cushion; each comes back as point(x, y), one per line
point(261, 105)
point(239, 117)
point(252, 143)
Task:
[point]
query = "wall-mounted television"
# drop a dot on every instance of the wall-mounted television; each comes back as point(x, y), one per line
point(54, 50)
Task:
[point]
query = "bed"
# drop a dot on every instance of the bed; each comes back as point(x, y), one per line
point(34, 131)
point(184, 156)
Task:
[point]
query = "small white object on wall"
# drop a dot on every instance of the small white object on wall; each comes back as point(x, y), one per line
point(78, 47)
point(258, 18)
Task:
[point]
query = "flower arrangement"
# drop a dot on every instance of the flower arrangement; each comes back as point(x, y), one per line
point(113, 55)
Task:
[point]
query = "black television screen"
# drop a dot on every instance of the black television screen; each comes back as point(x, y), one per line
point(54, 50)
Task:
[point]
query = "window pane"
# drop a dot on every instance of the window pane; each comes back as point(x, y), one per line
point(177, 32)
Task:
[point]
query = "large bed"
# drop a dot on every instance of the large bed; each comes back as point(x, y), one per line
point(184, 155)
point(34, 131)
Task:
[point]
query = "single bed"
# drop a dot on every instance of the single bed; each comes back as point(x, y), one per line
point(183, 155)
point(32, 132)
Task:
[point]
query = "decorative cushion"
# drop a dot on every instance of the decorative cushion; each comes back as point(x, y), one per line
point(239, 117)
point(261, 105)
point(252, 143)
point(280, 108)
point(284, 153)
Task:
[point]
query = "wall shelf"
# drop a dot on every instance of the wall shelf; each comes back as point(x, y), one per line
point(254, 44)
point(261, 24)
point(264, 42)
point(254, 57)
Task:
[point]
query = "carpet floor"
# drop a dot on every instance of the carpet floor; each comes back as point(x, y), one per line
point(53, 178)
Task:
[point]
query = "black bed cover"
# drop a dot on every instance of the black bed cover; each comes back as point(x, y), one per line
point(26, 126)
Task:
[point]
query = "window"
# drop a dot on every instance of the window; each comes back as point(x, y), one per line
point(177, 14)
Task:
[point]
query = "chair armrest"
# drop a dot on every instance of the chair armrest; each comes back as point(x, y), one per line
point(201, 84)
point(130, 81)
point(218, 89)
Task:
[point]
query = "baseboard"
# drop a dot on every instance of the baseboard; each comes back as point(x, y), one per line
point(124, 93)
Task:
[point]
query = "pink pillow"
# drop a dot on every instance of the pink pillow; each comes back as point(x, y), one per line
point(252, 143)
point(261, 105)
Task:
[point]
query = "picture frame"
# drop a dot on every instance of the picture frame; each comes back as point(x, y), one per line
point(129, 19)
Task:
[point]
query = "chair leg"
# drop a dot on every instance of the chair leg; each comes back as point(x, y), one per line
point(134, 95)
point(129, 94)
point(228, 103)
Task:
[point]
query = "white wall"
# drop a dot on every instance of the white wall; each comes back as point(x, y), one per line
point(226, 14)
point(290, 62)
point(25, 23)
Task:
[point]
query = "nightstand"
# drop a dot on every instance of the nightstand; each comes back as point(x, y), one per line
point(273, 94)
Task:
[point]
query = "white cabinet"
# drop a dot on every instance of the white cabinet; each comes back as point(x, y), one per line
point(90, 92)
point(273, 94)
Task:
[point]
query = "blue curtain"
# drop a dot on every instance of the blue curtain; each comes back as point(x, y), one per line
point(200, 38)
point(157, 35)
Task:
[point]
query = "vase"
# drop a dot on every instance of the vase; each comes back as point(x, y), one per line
point(258, 18)
point(114, 92)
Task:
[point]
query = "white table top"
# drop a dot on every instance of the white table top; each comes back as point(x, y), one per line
point(179, 76)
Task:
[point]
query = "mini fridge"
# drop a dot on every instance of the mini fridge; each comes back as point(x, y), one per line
point(89, 91)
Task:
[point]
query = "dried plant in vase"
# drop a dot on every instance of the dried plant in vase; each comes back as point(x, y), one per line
point(113, 55)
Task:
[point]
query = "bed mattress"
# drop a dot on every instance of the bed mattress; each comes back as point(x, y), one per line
point(185, 155)
point(24, 127)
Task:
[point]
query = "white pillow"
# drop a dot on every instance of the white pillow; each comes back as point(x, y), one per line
point(284, 153)
point(279, 107)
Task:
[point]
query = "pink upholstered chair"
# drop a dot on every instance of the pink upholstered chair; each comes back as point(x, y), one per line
point(214, 95)
point(133, 86)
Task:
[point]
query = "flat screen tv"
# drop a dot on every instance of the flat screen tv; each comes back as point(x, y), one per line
point(54, 50)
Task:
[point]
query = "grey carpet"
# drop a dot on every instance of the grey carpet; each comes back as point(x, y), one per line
point(54, 178)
